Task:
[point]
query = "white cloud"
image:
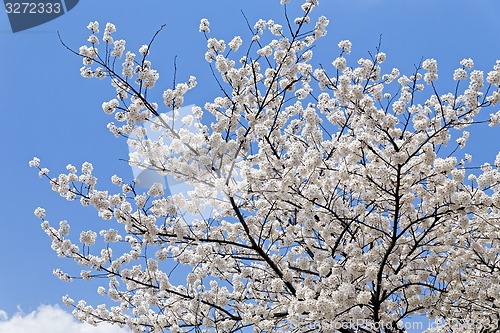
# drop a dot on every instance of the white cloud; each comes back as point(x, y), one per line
point(3, 315)
point(53, 319)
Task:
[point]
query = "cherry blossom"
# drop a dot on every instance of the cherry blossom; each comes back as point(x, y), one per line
point(321, 197)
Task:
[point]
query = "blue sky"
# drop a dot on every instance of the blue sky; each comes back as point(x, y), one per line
point(53, 113)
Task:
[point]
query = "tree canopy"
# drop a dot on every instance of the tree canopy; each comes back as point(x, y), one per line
point(322, 197)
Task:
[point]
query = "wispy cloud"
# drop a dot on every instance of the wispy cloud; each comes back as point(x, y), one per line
point(53, 319)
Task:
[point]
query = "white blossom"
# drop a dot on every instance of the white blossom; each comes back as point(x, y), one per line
point(345, 45)
point(93, 26)
point(88, 237)
point(144, 50)
point(235, 43)
point(204, 25)
point(467, 63)
point(40, 213)
point(67, 300)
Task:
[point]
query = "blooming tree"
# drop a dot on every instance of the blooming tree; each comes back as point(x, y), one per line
point(325, 198)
